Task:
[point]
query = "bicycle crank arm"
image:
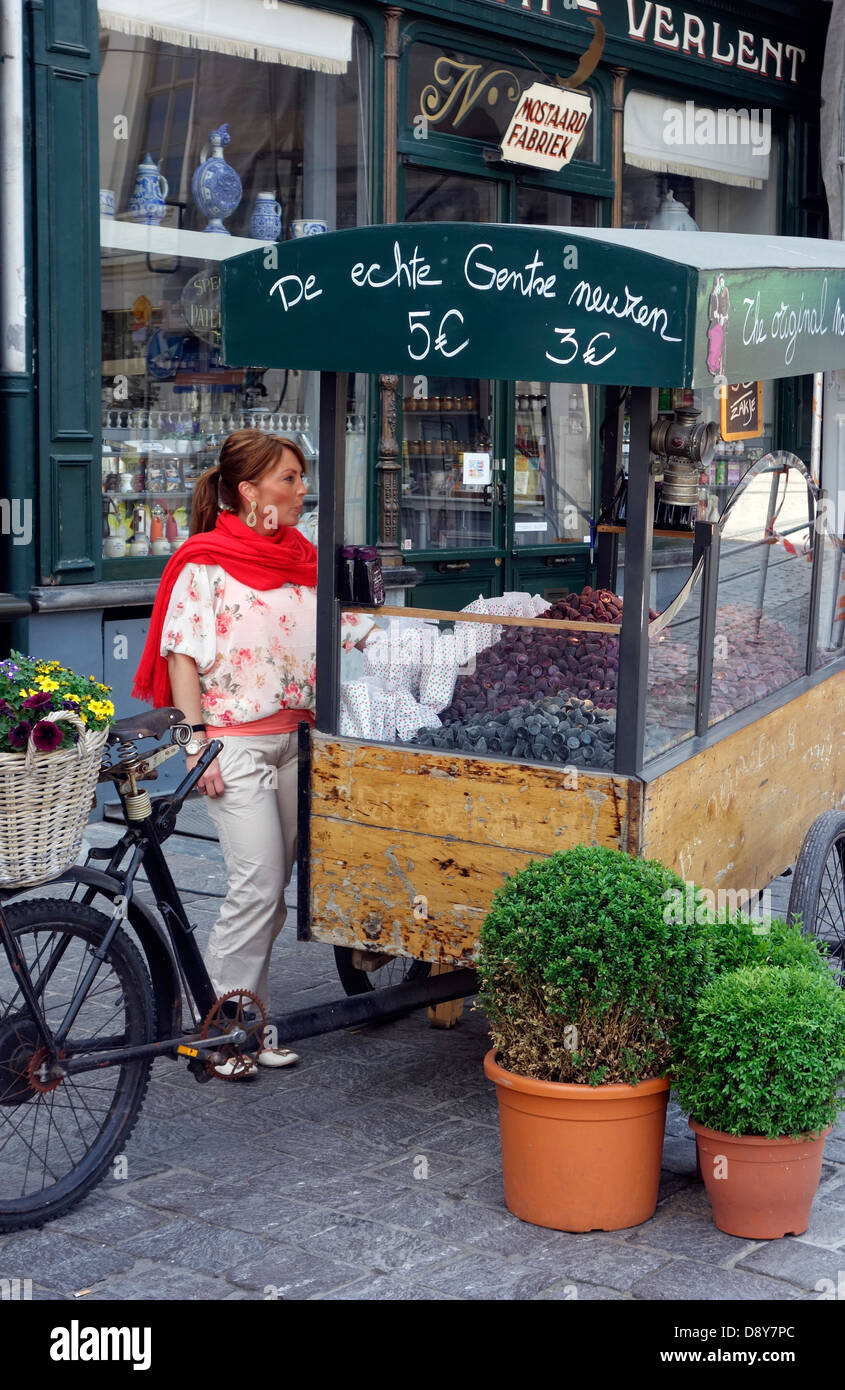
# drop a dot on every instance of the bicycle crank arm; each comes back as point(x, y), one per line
point(186, 1046)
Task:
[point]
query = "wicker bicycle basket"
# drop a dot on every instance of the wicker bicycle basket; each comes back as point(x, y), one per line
point(45, 800)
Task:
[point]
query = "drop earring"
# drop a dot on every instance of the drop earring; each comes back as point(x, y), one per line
point(252, 515)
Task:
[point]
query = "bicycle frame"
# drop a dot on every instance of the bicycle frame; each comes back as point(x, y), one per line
point(174, 963)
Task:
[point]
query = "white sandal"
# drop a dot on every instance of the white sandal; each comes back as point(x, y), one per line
point(276, 1057)
point(239, 1068)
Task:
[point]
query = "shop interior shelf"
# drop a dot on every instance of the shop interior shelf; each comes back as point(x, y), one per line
point(172, 241)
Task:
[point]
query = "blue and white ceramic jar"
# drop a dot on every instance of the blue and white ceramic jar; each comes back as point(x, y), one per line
point(147, 203)
point(266, 221)
point(216, 187)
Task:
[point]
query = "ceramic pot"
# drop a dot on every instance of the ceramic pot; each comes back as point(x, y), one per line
point(106, 202)
point(147, 203)
point(114, 547)
point(215, 186)
point(578, 1157)
point(308, 226)
point(266, 221)
point(760, 1189)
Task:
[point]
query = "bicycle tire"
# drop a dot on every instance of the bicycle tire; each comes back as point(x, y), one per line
point(399, 970)
point(107, 1101)
point(818, 886)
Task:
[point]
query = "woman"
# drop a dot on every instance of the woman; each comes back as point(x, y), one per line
point(232, 643)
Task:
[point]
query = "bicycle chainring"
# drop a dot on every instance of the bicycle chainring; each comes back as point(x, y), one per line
point(240, 1008)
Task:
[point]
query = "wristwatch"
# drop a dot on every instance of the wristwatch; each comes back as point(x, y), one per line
point(196, 745)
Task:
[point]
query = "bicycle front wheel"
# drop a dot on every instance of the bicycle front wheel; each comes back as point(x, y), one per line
point(58, 1138)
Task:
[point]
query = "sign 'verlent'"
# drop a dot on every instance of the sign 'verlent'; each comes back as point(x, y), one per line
point(546, 127)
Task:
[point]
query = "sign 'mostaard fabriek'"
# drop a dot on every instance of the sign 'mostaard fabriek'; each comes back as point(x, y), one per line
point(539, 303)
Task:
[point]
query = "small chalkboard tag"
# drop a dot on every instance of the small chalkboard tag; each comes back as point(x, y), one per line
point(742, 410)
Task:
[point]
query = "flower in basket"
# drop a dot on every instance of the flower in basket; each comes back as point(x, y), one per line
point(31, 690)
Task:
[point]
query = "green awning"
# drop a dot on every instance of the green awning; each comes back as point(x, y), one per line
point(504, 302)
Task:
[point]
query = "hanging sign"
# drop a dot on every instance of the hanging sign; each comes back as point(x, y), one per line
point(546, 127)
point(742, 410)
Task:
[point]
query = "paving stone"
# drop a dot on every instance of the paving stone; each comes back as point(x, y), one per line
point(291, 1273)
point(679, 1156)
point(324, 1143)
point(465, 1222)
point(834, 1149)
point(385, 1290)
point(394, 1126)
point(176, 1190)
point(195, 1245)
point(269, 1215)
point(687, 1280)
point(795, 1261)
point(681, 1233)
point(379, 1247)
point(56, 1261)
point(489, 1190)
point(484, 1277)
point(443, 1171)
point(463, 1139)
point(158, 1283)
point(345, 1193)
point(107, 1220)
point(587, 1255)
point(479, 1106)
point(670, 1185)
point(578, 1292)
point(827, 1226)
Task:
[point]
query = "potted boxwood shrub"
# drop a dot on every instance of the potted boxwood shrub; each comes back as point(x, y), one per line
point(762, 1076)
point(584, 977)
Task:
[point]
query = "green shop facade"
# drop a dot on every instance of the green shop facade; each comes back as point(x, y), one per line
point(312, 118)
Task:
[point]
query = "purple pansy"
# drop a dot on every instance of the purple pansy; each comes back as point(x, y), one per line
point(46, 736)
point(41, 701)
point(19, 735)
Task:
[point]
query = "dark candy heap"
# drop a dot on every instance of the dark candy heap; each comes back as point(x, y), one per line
point(560, 729)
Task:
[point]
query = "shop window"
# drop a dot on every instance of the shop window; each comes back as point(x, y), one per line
point(298, 126)
point(457, 93)
point(719, 165)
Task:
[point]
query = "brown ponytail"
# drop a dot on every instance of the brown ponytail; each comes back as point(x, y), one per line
point(244, 457)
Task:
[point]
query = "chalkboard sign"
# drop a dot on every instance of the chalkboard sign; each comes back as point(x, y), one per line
point(742, 410)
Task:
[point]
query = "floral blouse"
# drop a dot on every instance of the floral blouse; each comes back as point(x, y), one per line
point(255, 649)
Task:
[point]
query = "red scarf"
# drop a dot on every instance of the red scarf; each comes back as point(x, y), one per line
point(262, 562)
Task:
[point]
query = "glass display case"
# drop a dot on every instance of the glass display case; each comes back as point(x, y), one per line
point(552, 480)
point(450, 480)
point(223, 154)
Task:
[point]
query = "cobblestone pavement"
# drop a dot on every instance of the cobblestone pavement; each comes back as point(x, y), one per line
point(371, 1170)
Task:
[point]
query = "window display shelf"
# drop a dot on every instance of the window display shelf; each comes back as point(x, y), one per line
point(172, 241)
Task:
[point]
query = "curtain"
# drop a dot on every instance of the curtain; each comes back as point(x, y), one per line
point(701, 143)
point(279, 33)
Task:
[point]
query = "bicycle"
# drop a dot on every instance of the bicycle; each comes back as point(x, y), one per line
point(84, 1011)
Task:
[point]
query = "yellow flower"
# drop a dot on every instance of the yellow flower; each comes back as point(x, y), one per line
point(45, 683)
point(71, 696)
point(100, 709)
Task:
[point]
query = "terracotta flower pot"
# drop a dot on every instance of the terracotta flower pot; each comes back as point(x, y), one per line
point(760, 1188)
point(577, 1157)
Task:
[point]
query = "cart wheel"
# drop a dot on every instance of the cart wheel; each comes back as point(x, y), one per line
point(818, 887)
point(399, 970)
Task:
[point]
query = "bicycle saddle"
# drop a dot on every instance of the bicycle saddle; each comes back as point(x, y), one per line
point(150, 723)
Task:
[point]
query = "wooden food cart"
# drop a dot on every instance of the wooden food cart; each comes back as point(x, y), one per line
point(402, 846)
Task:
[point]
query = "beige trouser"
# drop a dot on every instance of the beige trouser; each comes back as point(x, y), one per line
point(255, 819)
